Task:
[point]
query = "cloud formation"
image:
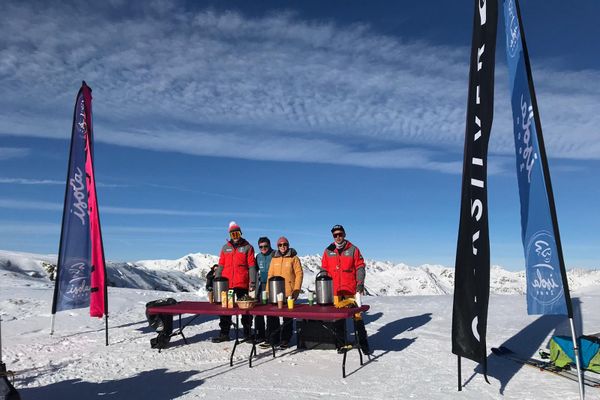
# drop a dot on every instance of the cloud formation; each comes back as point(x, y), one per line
point(20, 204)
point(7, 153)
point(270, 88)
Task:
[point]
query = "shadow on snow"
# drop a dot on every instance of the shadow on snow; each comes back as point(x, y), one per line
point(385, 337)
point(155, 384)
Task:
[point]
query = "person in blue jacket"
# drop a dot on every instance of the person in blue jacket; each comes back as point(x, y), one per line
point(263, 260)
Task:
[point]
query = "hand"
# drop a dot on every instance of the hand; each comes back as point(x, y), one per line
point(360, 288)
point(295, 294)
point(252, 288)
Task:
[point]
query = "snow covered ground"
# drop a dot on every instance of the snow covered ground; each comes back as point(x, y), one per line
point(410, 336)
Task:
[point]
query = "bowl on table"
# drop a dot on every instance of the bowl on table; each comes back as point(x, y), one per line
point(245, 304)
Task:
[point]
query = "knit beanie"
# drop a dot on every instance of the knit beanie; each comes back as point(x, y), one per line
point(233, 226)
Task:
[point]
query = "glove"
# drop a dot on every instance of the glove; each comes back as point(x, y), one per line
point(360, 288)
point(295, 294)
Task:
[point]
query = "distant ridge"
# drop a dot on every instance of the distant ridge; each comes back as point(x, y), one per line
point(187, 274)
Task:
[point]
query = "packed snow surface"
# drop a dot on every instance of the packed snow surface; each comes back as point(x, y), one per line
point(410, 336)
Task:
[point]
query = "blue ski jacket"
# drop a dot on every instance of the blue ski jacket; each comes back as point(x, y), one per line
point(262, 262)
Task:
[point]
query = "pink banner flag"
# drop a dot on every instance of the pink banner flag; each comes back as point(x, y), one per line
point(98, 306)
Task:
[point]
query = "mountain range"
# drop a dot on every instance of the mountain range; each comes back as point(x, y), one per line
point(384, 278)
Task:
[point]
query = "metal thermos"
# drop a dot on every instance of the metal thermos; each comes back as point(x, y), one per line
point(220, 284)
point(276, 285)
point(324, 289)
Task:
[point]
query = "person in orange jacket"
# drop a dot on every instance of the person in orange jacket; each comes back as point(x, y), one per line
point(345, 265)
point(285, 263)
point(238, 265)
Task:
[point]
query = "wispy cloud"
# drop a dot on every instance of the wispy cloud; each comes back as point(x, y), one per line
point(24, 228)
point(191, 190)
point(26, 181)
point(44, 228)
point(20, 204)
point(7, 153)
point(272, 88)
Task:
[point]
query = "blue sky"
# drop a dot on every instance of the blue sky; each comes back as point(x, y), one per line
point(287, 117)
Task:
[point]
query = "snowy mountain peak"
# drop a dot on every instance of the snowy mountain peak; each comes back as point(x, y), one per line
point(384, 278)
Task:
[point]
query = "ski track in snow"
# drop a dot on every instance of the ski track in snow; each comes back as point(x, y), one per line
point(410, 336)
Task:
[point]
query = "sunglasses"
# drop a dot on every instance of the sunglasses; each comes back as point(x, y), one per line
point(338, 235)
point(283, 245)
point(266, 246)
point(235, 234)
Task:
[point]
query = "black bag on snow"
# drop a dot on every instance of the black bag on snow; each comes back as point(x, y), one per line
point(161, 323)
point(7, 390)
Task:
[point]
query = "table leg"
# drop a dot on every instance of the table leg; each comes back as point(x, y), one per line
point(356, 342)
point(252, 352)
point(344, 364)
point(236, 340)
point(181, 330)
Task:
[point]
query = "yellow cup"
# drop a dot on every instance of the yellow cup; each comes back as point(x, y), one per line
point(290, 302)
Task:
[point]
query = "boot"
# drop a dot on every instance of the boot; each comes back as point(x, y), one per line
point(223, 337)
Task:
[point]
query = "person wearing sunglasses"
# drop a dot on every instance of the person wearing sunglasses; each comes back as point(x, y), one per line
point(345, 265)
point(285, 263)
point(263, 260)
point(238, 265)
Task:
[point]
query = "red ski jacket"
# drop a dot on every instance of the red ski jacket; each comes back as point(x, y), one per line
point(235, 262)
point(342, 267)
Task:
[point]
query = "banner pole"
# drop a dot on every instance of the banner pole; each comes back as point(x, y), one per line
point(459, 374)
point(52, 324)
point(106, 327)
point(576, 350)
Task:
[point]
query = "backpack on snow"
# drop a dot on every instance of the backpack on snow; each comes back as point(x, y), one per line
point(7, 390)
point(161, 323)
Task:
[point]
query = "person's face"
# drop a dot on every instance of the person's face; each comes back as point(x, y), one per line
point(235, 236)
point(264, 247)
point(339, 236)
point(283, 247)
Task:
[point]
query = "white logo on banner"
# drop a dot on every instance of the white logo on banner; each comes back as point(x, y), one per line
point(82, 125)
point(541, 274)
point(513, 38)
point(81, 207)
point(78, 286)
point(526, 151)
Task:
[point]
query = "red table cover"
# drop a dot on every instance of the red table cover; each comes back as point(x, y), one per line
point(303, 311)
point(196, 307)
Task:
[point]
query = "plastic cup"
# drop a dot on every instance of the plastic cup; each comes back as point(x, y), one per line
point(263, 297)
point(311, 298)
point(279, 303)
point(210, 296)
point(290, 303)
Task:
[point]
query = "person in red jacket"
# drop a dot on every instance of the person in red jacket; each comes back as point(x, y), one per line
point(237, 264)
point(345, 265)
